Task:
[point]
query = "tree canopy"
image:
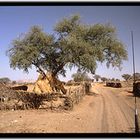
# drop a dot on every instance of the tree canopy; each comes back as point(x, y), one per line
point(72, 44)
point(97, 77)
point(5, 80)
point(137, 76)
point(80, 76)
point(126, 76)
point(104, 79)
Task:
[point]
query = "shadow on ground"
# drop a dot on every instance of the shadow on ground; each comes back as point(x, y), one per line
point(92, 94)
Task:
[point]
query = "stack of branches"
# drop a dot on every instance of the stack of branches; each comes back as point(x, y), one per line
point(17, 99)
point(8, 97)
point(14, 99)
point(73, 83)
point(74, 95)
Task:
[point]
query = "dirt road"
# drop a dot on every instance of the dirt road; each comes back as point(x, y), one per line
point(117, 111)
point(106, 111)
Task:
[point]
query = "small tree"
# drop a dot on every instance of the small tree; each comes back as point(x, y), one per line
point(126, 76)
point(97, 77)
point(103, 79)
point(113, 79)
point(80, 76)
point(137, 76)
point(117, 80)
point(72, 44)
point(14, 82)
point(5, 80)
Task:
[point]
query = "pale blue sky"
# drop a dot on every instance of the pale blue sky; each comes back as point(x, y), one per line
point(16, 20)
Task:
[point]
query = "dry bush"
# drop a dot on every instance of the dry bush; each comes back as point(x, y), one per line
point(12, 99)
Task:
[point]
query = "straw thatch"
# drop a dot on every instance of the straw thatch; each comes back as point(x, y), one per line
point(42, 85)
point(48, 84)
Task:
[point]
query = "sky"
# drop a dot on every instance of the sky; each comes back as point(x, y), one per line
point(15, 20)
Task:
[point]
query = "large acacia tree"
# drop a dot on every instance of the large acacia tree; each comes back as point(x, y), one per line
point(72, 44)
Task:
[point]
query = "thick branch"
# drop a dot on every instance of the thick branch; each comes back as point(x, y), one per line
point(39, 69)
point(60, 67)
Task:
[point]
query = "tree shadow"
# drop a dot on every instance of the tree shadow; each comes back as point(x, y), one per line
point(92, 94)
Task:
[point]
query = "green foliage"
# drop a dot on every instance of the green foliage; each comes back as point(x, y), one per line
point(72, 44)
point(126, 76)
point(117, 80)
point(103, 79)
point(5, 80)
point(97, 77)
point(14, 82)
point(113, 79)
point(80, 76)
point(137, 76)
point(29, 49)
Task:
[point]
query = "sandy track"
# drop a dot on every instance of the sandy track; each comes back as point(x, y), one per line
point(119, 115)
point(106, 111)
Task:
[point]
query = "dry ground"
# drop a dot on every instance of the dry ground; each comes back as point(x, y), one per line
point(107, 110)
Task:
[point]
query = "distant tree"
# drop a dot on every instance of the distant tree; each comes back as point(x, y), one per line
point(14, 82)
point(108, 79)
point(70, 82)
point(113, 79)
point(80, 76)
point(126, 76)
point(117, 80)
point(97, 77)
point(103, 79)
point(5, 80)
point(137, 76)
point(72, 44)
